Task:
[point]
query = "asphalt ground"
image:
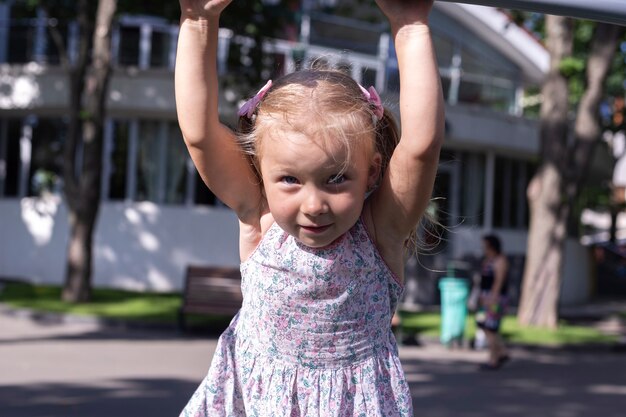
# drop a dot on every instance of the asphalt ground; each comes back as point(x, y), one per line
point(50, 368)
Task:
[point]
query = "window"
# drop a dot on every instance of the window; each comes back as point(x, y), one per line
point(21, 34)
point(143, 42)
point(473, 188)
point(30, 38)
point(203, 195)
point(148, 161)
point(20, 42)
point(128, 53)
point(46, 165)
point(510, 182)
point(487, 78)
point(445, 50)
point(51, 53)
point(160, 49)
point(483, 91)
point(10, 133)
point(176, 167)
point(118, 162)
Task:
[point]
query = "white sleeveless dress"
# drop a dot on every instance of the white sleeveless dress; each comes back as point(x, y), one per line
point(313, 336)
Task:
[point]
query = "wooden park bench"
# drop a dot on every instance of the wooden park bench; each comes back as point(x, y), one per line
point(210, 290)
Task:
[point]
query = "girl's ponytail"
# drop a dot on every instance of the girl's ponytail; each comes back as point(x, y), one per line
point(387, 138)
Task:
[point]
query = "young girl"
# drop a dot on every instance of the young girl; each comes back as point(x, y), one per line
point(324, 212)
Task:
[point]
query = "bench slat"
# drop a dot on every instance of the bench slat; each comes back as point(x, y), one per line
point(211, 290)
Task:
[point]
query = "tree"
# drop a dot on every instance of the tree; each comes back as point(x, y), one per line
point(88, 77)
point(565, 158)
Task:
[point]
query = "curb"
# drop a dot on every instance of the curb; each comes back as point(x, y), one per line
point(48, 317)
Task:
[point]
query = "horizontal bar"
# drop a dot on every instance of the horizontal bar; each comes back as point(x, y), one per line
point(609, 11)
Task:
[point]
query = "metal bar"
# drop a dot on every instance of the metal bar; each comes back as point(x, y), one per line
point(609, 11)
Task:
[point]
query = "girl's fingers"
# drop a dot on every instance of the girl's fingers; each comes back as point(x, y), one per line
point(202, 8)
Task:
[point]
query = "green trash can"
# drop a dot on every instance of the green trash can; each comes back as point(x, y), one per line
point(454, 293)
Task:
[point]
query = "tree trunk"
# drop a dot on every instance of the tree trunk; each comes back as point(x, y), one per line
point(79, 255)
point(587, 130)
point(548, 214)
point(557, 183)
point(546, 241)
point(83, 196)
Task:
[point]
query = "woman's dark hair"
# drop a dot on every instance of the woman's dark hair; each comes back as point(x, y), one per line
point(494, 243)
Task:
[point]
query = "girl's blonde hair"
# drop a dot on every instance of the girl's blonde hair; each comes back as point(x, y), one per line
point(324, 105)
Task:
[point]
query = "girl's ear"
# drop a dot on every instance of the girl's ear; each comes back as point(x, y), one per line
point(373, 176)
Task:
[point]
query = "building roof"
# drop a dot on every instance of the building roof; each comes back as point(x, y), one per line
point(496, 28)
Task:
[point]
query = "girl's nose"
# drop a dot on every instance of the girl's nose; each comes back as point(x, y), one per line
point(314, 204)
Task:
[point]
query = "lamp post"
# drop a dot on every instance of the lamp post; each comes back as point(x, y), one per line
point(609, 11)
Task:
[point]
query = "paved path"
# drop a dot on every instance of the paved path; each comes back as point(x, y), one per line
point(78, 369)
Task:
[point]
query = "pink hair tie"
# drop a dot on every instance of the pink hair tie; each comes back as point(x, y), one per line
point(372, 97)
point(248, 108)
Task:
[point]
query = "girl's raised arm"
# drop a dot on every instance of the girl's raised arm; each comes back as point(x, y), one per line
point(212, 146)
point(406, 188)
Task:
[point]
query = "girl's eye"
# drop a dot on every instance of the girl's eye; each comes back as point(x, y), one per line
point(337, 179)
point(287, 179)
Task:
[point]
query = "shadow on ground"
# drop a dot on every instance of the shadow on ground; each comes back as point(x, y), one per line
point(534, 384)
point(542, 385)
point(130, 397)
point(548, 382)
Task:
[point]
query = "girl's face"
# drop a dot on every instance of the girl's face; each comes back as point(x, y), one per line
point(312, 193)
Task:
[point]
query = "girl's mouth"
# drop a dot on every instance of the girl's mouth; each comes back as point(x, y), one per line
point(315, 229)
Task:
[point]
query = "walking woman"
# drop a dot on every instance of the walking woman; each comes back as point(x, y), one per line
point(493, 300)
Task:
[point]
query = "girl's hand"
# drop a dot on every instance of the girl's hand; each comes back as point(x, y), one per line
point(202, 9)
point(405, 12)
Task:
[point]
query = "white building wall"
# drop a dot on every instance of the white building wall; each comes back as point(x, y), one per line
point(138, 246)
point(577, 274)
point(143, 246)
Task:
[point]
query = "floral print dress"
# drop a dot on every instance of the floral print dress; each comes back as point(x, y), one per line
point(313, 336)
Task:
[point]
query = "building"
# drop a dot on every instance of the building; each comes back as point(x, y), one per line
point(156, 215)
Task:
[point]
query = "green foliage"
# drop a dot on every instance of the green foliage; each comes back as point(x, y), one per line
point(616, 81)
point(533, 22)
point(572, 66)
point(583, 32)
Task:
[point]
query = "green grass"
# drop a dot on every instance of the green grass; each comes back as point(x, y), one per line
point(108, 303)
point(428, 324)
point(145, 307)
point(163, 308)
